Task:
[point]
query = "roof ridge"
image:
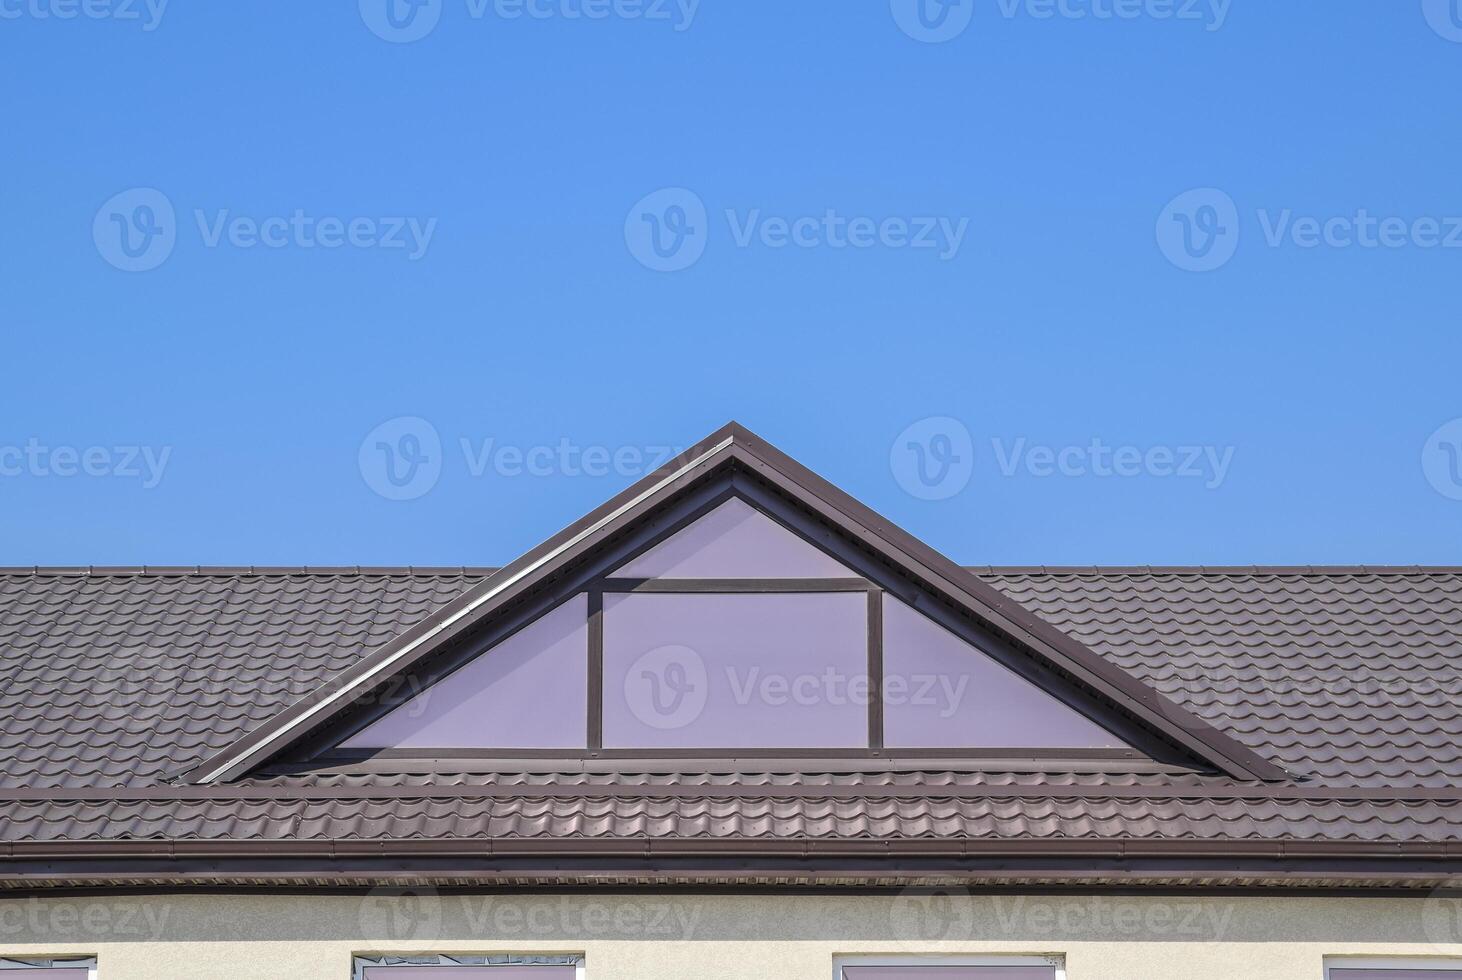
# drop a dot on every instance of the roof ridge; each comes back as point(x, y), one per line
point(181, 570)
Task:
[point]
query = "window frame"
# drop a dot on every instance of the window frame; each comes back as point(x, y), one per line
point(1395, 963)
point(1054, 960)
point(363, 961)
point(87, 963)
point(1146, 752)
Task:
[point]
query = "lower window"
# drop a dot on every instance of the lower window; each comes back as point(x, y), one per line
point(948, 968)
point(465, 968)
point(1392, 968)
point(73, 968)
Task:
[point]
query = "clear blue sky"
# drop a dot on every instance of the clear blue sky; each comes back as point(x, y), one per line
point(1047, 160)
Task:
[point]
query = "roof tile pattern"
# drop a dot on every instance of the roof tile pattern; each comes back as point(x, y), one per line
point(113, 679)
point(117, 679)
point(870, 817)
point(1350, 676)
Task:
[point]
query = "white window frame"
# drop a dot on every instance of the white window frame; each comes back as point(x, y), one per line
point(87, 963)
point(1397, 963)
point(364, 960)
point(936, 959)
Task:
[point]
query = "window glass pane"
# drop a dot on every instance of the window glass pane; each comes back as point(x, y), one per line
point(949, 972)
point(736, 671)
point(734, 541)
point(468, 973)
point(64, 973)
point(1395, 974)
point(529, 692)
point(941, 692)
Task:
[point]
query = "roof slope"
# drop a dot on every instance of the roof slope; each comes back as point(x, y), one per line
point(1351, 676)
point(120, 677)
point(116, 678)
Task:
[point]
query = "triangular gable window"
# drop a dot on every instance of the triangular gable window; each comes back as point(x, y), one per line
point(734, 633)
point(734, 540)
point(939, 689)
point(527, 692)
point(733, 604)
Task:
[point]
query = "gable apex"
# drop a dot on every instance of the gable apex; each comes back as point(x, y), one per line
point(729, 450)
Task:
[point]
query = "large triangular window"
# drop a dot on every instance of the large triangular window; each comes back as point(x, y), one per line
point(732, 632)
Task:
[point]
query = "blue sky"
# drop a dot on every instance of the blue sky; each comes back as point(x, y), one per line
point(1117, 281)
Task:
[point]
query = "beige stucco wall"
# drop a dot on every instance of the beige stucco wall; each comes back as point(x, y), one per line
point(726, 937)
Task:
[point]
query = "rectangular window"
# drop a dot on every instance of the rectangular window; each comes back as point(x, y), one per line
point(467, 968)
point(71, 968)
point(736, 671)
point(949, 968)
point(1392, 968)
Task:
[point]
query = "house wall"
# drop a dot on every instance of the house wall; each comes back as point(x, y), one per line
point(725, 937)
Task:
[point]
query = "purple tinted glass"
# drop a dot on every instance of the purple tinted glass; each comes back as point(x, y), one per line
point(1395, 974)
point(469, 973)
point(734, 541)
point(941, 692)
point(530, 691)
point(949, 972)
point(736, 671)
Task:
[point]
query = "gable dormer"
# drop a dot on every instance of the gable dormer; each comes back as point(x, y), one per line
point(734, 606)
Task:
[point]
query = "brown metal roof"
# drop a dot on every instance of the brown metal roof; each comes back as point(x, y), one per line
point(1330, 697)
point(114, 679)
